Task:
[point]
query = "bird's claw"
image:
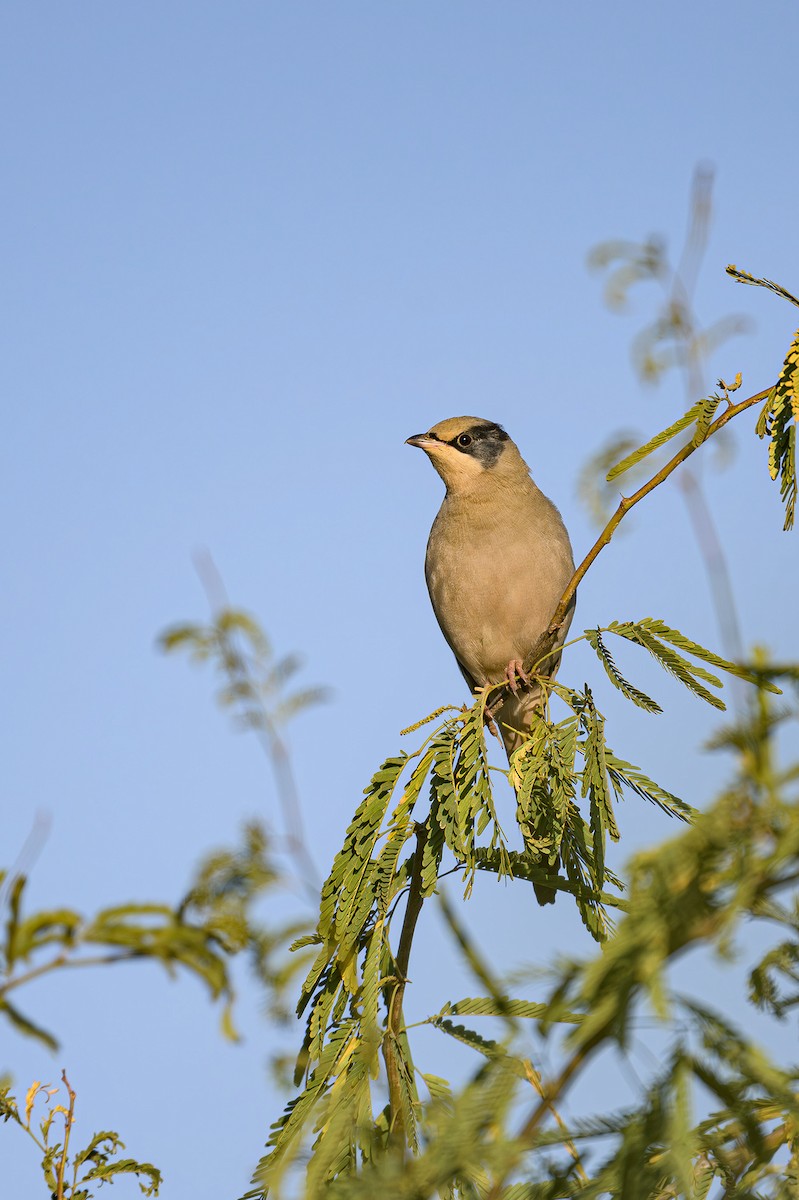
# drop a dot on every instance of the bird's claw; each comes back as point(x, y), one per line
point(513, 673)
point(492, 706)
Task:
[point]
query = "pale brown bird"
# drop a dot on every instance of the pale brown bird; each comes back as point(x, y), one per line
point(498, 561)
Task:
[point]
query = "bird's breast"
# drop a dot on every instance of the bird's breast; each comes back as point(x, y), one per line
point(494, 584)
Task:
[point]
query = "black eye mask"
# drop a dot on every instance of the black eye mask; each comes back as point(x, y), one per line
point(485, 443)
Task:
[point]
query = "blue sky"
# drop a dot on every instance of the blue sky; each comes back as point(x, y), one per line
point(247, 250)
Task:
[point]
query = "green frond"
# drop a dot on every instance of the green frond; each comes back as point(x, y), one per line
point(662, 630)
point(780, 413)
point(439, 1089)
point(292, 1124)
point(623, 774)
point(694, 413)
point(26, 1026)
point(744, 277)
point(359, 841)
point(594, 639)
point(491, 1006)
point(469, 1037)
point(778, 420)
point(577, 855)
point(641, 633)
point(707, 410)
point(595, 785)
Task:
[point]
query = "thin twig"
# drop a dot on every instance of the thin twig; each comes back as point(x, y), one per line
point(68, 1119)
point(55, 964)
point(627, 503)
point(394, 1021)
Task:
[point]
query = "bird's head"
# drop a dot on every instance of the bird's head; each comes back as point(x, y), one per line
point(468, 452)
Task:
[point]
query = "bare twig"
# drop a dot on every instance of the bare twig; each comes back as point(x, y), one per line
point(68, 1120)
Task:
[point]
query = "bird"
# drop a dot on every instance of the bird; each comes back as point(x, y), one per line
point(498, 561)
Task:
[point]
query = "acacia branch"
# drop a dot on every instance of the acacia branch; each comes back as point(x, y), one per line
point(61, 960)
point(546, 642)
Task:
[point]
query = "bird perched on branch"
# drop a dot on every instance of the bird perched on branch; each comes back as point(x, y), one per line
point(498, 561)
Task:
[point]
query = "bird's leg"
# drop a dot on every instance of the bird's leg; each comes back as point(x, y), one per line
point(492, 726)
point(513, 673)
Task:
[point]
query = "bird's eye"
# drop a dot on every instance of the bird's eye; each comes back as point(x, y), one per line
point(464, 440)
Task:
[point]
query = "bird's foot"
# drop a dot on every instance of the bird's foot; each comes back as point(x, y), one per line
point(490, 708)
point(515, 672)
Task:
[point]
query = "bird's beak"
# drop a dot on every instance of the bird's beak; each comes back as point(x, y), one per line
point(422, 440)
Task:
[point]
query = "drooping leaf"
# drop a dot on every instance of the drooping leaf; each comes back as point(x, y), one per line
point(594, 639)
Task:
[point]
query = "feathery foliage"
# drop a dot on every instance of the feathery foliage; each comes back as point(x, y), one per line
point(364, 1119)
point(567, 782)
point(780, 413)
point(431, 812)
point(73, 1176)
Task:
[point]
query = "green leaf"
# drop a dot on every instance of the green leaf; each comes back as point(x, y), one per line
point(444, 818)
point(307, 939)
point(128, 1166)
point(595, 786)
point(679, 639)
point(409, 1099)
point(58, 926)
point(707, 410)
point(542, 773)
point(27, 1027)
point(359, 841)
point(439, 1089)
point(686, 672)
point(623, 774)
point(491, 1006)
point(469, 1037)
point(778, 420)
point(370, 992)
point(781, 411)
point(681, 1139)
point(347, 1105)
point(594, 639)
point(14, 902)
point(693, 414)
point(291, 1125)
